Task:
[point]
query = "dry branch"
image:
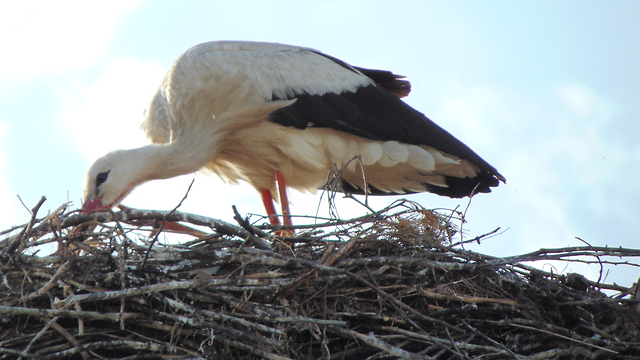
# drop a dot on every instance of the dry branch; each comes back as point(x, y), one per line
point(382, 286)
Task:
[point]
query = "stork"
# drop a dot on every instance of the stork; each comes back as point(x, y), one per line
point(281, 116)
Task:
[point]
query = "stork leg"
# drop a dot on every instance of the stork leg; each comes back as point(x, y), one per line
point(267, 200)
point(284, 199)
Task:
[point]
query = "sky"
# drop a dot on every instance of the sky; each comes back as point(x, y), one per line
point(546, 91)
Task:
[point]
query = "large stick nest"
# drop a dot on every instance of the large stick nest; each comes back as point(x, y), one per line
point(385, 286)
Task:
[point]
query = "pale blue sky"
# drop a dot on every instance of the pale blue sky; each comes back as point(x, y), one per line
point(545, 91)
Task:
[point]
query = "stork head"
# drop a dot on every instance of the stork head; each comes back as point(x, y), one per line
point(110, 179)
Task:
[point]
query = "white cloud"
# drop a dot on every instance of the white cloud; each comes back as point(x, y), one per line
point(41, 37)
point(106, 114)
point(477, 113)
point(580, 136)
point(552, 158)
point(581, 100)
point(8, 214)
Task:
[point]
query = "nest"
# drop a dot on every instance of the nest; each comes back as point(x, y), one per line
point(390, 285)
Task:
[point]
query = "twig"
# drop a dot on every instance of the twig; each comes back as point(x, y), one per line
point(111, 345)
point(220, 317)
point(171, 285)
point(372, 340)
point(20, 240)
point(127, 215)
point(24, 205)
point(39, 313)
point(16, 353)
point(497, 344)
point(259, 243)
point(517, 323)
point(211, 326)
point(164, 221)
point(478, 238)
point(50, 284)
point(252, 349)
point(40, 333)
point(70, 338)
point(395, 303)
point(599, 261)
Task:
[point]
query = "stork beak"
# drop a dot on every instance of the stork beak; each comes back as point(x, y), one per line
point(93, 205)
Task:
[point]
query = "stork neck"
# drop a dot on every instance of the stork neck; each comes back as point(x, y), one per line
point(180, 157)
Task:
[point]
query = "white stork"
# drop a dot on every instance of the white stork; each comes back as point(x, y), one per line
point(277, 115)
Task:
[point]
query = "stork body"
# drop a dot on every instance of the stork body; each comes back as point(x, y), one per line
point(263, 112)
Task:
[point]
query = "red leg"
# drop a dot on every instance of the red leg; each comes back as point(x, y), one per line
point(267, 200)
point(284, 199)
point(281, 183)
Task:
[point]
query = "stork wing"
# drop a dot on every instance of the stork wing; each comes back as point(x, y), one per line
point(328, 93)
point(374, 111)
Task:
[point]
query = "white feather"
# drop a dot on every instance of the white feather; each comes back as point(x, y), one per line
point(210, 113)
point(371, 152)
point(393, 153)
point(421, 159)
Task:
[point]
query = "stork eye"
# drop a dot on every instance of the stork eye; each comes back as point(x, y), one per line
point(101, 178)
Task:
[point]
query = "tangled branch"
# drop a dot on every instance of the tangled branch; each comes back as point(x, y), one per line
point(386, 285)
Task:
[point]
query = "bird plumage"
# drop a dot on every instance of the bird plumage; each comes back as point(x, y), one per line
point(245, 110)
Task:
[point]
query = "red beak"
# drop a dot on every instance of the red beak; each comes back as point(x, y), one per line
point(93, 205)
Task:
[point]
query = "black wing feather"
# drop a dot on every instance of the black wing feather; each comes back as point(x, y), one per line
point(375, 113)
